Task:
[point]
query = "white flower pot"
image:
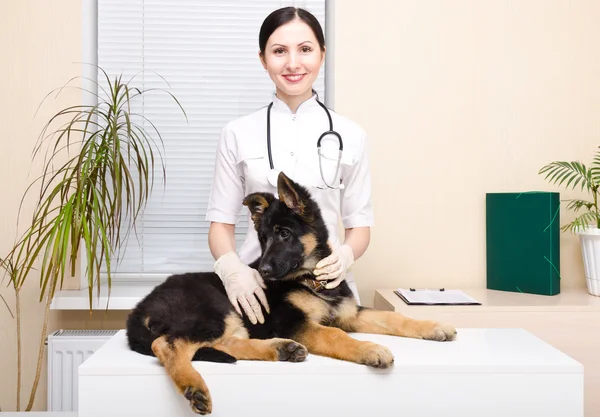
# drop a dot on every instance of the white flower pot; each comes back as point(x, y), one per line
point(590, 251)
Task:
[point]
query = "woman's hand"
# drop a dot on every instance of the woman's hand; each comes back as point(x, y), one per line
point(333, 268)
point(244, 286)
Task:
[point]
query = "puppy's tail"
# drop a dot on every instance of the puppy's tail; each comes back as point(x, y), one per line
point(139, 336)
point(142, 332)
point(208, 354)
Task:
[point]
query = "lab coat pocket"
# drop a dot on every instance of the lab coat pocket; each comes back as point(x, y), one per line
point(254, 167)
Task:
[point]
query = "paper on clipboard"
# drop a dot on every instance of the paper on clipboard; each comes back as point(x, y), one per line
point(415, 296)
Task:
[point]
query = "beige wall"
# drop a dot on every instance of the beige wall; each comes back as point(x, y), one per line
point(459, 98)
point(40, 43)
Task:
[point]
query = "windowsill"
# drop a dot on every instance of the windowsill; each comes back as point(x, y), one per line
point(122, 297)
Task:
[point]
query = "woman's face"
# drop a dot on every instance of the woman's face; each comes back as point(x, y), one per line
point(293, 59)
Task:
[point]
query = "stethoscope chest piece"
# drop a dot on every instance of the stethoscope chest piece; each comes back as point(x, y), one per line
point(272, 177)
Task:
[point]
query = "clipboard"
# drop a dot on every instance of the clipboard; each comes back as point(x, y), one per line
point(441, 296)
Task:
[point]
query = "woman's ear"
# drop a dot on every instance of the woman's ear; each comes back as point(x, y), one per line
point(262, 59)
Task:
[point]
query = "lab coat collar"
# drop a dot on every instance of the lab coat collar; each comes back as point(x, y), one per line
point(307, 105)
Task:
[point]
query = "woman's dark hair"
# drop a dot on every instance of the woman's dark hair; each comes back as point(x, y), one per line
point(285, 15)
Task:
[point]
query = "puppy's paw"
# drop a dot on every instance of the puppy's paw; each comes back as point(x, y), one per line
point(376, 356)
point(440, 333)
point(199, 401)
point(288, 350)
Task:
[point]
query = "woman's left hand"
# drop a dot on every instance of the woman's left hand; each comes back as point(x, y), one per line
point(333, 268)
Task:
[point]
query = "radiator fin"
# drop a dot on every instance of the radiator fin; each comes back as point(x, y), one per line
point(84, 333)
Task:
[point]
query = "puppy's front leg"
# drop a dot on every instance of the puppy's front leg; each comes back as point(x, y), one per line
point(335, 343)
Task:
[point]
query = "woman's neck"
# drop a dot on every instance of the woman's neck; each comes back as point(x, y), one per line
point(293, 102)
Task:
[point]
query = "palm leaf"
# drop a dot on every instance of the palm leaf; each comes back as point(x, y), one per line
point(585, 220)
point(571, 172)
point(576, 205)
point(574, 174)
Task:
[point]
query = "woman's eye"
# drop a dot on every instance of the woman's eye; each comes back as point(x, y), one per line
point(284, 233)
point(279, 51)
point(306, 49)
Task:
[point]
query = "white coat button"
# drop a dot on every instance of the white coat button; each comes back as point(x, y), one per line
point(291, 153)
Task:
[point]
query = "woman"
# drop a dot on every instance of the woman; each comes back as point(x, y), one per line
point(292, 51)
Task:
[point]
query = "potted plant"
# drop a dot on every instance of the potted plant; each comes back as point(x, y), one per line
point(587, 223)
point(98, 172)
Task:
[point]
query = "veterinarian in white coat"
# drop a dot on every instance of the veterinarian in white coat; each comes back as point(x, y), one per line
point(292, 50)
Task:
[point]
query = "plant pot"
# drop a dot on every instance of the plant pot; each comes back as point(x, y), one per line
point(590, 251)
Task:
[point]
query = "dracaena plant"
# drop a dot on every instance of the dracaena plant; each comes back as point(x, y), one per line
point(574, 175)
point(98, 172)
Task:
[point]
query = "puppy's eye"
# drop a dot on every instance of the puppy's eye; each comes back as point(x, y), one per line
point(284, 233)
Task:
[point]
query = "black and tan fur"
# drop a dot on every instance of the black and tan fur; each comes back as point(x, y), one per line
point(189, 317)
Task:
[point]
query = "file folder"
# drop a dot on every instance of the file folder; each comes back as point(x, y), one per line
point(523, 242)
point(414, 296)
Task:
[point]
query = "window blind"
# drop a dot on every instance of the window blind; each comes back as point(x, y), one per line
point(208, 52)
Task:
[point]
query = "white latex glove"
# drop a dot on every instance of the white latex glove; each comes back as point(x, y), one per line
point(334, 267)
point(244, 286)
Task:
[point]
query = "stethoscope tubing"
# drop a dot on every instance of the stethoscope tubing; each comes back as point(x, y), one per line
point(329, 132)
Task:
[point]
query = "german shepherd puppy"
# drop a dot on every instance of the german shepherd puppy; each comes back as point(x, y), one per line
point(189, 317)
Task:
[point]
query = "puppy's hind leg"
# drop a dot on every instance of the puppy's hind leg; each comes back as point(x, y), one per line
point(351, 318)
point(176, 356)
point(275, 349)
point(236, 343)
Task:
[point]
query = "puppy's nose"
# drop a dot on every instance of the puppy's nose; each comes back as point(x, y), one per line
point(265, 270)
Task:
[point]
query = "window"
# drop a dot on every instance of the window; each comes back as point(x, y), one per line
point(208, 53)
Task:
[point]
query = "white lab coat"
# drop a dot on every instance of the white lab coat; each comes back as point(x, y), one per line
point(242, 166)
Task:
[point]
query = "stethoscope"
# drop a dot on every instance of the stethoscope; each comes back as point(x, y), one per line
point(274, 174)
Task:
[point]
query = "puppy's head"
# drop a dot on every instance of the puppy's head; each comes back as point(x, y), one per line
point(291, 231)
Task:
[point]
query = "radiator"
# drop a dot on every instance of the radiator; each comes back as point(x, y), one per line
point(67, 349)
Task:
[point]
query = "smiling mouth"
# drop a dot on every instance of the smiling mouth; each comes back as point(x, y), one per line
point(294, 78)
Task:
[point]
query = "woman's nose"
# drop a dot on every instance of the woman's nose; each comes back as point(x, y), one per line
point(293, 61)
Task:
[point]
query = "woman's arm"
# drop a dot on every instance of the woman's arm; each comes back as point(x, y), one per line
point(358, 238)
point(221, 238)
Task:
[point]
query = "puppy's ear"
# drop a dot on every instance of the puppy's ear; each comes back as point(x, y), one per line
point(293, 196)
point(257, 204)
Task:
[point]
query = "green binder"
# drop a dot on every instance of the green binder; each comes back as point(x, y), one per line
point(522, 242)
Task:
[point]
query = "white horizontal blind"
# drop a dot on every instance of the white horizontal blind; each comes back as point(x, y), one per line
point(208, 52)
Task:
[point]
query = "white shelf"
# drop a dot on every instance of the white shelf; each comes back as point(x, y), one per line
point(122, 297)
point(572, 300)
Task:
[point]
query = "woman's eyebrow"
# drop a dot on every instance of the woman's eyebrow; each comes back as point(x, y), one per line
point(281, 45)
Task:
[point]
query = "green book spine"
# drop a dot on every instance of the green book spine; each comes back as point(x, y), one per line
point(523, 242)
